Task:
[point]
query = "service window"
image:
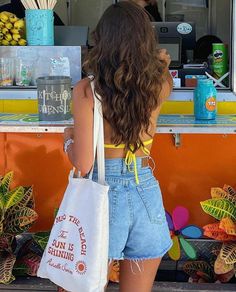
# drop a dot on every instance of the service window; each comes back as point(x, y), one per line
point(197, 33)
point(204, 28)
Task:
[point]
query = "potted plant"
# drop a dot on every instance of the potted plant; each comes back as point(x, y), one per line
point(17, 215)
point(221, 206)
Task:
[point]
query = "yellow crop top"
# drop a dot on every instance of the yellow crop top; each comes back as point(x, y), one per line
point(130, 156)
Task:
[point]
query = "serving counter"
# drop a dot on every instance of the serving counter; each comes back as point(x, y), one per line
point(190, 157)
point(172, 124)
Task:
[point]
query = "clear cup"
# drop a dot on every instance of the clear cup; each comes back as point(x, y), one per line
point(6, 71)
point(23, 72)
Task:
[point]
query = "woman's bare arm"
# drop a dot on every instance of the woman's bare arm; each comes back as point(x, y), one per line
point(80, 153)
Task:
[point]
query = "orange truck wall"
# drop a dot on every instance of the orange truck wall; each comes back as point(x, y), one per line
point(186, 174)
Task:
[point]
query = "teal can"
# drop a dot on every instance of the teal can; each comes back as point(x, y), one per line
point(205, 103)
point(39, 27)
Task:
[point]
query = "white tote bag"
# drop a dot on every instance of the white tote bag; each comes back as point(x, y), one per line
point(76, 256)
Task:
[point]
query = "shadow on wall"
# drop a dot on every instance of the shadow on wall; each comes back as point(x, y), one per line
point(39, 160)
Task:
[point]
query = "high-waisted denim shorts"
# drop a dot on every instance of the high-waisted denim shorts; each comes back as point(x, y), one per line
point(137, 222)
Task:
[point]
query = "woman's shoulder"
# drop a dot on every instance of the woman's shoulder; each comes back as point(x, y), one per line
point(82, 91)
point(83, 87)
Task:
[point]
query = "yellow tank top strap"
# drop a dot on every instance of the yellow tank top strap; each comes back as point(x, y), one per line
point(147, 142)
point(121, 146)
point(130, 157)
point(112, 146)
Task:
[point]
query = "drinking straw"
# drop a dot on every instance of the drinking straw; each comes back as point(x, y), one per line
point(39, 4)
point(25, 4)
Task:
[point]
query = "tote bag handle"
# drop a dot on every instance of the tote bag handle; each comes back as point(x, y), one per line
point(98, 137)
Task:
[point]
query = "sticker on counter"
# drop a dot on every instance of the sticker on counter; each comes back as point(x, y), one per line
point(184, 28)
point(174, 73)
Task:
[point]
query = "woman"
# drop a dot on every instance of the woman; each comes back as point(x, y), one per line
point(133, 80)
point(151, 8)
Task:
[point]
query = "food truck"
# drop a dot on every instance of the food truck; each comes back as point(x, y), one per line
point(191, 156)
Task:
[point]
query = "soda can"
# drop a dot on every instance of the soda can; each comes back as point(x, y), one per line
point(220, 59)
point(205, 105)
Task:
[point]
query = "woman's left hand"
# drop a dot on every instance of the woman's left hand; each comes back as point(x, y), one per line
point(68, 133)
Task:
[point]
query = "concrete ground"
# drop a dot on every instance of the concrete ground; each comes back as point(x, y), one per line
point(33, 284)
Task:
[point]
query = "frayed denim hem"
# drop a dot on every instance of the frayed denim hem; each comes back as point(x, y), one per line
point(137, 260)
point(150, 257)
point(111, 259)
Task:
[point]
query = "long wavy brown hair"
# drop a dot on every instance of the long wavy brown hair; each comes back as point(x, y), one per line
point(127, 70)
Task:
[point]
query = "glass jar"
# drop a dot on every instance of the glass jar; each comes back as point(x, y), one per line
point(6, 71)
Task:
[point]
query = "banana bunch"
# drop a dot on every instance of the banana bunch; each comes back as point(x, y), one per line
point(12, 30)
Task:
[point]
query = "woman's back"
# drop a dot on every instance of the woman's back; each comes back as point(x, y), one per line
point(84, 89)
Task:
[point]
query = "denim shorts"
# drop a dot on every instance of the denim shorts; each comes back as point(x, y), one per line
point(138, 228)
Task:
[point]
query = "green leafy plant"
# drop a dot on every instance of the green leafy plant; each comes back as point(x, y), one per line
point(17, 215)
point(199, 269)
point(41, 238)
point(222, 206)
point(219, 208)
point(202, 271)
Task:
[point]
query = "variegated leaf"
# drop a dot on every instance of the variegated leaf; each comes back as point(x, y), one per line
point(229, 226)
point(7, 262)
point(1, 228)
point(26, 201)
point(20, 221)
point(10, 280)
point(14, 197)
point(195, 267)
point(229, 190)
point(20, 269)
point(30, 201)
point(220, 267)
point(213, 231)
point(225, 278)
point(41, 239)
point(2, 203)
point(228, 253)
point(231, 193)
point(32, 262)
point(5, 242)
point(5, 183)
point(216, 250)
point(218, 193)
point(219, 208)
